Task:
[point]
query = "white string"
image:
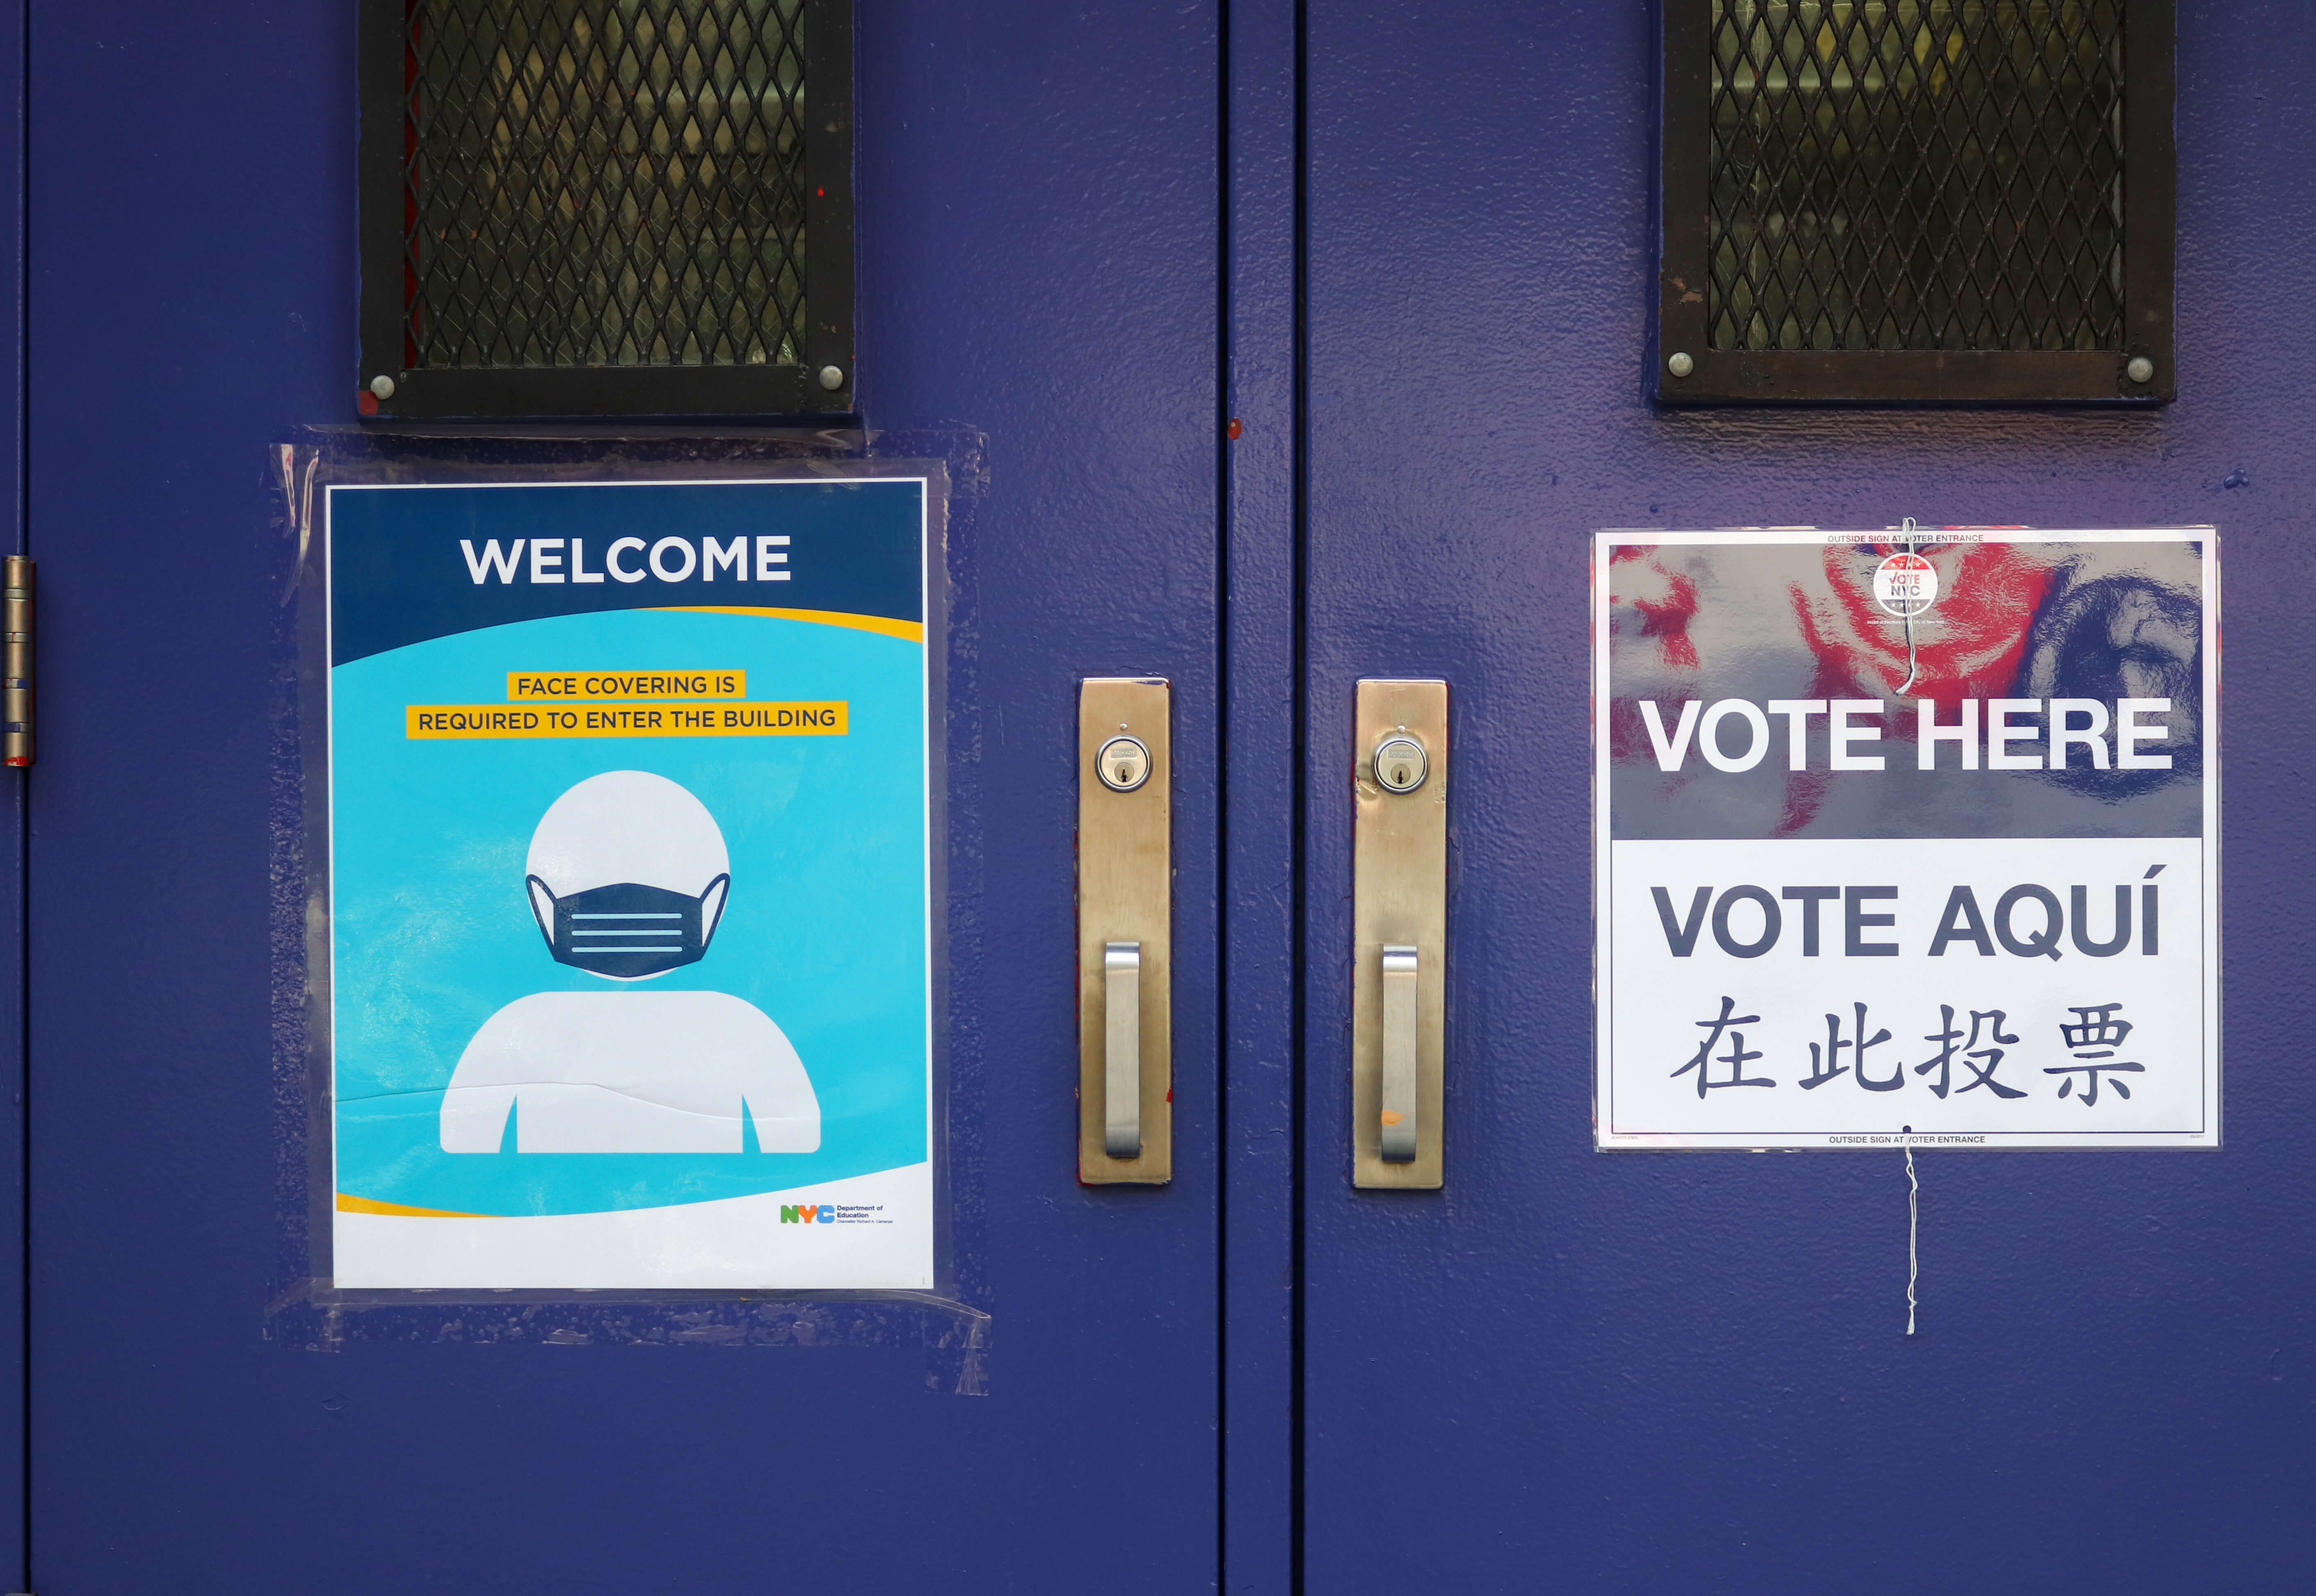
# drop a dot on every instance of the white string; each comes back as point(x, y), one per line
point(1914, 1229)
point(1912, 670)
point(1913, 1185)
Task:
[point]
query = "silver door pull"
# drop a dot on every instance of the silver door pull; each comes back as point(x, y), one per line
point(1398, 1054)
point(1122, 1098)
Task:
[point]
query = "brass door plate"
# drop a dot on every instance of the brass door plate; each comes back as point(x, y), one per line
point(1399, 900)
point(1126, 895)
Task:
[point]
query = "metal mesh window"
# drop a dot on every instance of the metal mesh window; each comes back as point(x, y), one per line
point(1917, 176)
point(605, 182)
point(607, 186)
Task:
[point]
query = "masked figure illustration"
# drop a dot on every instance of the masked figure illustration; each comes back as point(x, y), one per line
point(627, 879)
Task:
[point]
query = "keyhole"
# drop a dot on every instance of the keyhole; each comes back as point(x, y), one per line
point(1123, 763)
point(1399, 765)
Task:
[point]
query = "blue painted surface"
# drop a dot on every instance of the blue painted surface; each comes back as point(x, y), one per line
point(1661, 1373)
point(1262, 60)
point(1578, 1371)
point(15, 810)
point(1039, 239)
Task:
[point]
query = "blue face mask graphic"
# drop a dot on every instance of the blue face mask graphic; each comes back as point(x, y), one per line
point(625, 930)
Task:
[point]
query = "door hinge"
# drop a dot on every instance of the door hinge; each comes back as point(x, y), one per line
point(16, 711)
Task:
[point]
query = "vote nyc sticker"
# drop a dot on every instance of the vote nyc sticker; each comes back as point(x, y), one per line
point(1905, 584)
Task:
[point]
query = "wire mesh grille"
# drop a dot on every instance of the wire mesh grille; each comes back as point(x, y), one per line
point(1916, 175)
point(603, 183)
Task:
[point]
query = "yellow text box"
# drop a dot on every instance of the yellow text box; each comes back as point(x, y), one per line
point(535, 687)
point(431, 722)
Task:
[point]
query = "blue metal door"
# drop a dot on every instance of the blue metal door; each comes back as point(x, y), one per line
point(1415, 243)
point(1038, 247)
point(1572, 1370)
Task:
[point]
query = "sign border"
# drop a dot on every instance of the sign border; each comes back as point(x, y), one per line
point(937, 1264)
point(1606, 1139)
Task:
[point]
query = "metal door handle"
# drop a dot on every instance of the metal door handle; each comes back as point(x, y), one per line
point(1398, 934)
point(1398, 1054)
point(1121, 1097)
point(1126, 950)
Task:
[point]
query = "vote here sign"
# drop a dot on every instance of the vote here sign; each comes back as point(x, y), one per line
point(1906, 837)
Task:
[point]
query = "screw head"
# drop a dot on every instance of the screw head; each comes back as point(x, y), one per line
point(382, 385)
point(1679, 363)
point(832, 378)
point(2140, 369)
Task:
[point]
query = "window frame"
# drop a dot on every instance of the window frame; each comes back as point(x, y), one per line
point(1915, 377)
point(511, 392)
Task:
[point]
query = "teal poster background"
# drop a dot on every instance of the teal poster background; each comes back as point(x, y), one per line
point(824, 930)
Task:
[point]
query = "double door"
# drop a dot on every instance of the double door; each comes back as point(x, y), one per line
point(1296, 346)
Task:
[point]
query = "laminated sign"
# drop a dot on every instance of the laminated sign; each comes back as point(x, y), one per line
point(1907, 836)
point(630, 904)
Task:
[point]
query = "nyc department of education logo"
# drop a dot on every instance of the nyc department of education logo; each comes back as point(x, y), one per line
point(835, 1212)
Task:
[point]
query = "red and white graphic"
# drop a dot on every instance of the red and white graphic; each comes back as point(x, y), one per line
point(1905, 584)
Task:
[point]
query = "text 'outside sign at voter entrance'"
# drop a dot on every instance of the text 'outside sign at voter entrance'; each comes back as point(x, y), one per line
point(1906, 838)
